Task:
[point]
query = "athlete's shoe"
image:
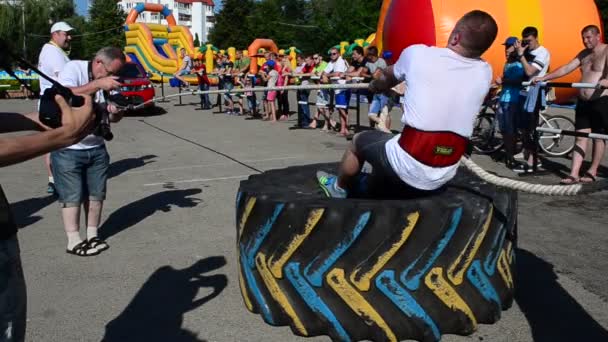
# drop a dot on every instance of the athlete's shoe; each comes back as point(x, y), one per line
point(328, 184)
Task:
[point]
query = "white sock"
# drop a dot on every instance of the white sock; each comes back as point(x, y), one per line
point(337, 187)
point(91, 232)
point(73, 239)
point(51, 179)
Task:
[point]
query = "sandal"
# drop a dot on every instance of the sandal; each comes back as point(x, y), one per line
point(98, 244)
point(82, 249)
point(588, 178)
point(570, 180)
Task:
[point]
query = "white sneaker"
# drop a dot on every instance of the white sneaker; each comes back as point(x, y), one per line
point(381, 125)
point(519, 156)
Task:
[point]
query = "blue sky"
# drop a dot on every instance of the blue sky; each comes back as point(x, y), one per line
point(81, 6)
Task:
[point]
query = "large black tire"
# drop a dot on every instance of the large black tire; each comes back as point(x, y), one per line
point(365, 269)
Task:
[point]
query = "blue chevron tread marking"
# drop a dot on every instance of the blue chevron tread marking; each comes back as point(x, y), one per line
point(254, 245)
point(492, 257)
point(316, 277)
point(482, 283)
point(388, 285)
point(255, 291)
point(316, 304)
point(412, 282)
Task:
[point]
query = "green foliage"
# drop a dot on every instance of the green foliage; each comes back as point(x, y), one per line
point(310, 25)
point(603, 7)
point(196, 42)
point(106, 18)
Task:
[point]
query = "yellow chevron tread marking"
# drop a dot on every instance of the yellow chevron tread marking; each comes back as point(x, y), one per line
point(510, 252)
point(364, 282)
point(435, 281)
point(468, 253)
point(504, 270)
point(243, 287)
point(276, 266)
point(337, 281)
point(277, 294)
point(246, 213)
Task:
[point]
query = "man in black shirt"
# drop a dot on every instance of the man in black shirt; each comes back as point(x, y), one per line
point(77, 123)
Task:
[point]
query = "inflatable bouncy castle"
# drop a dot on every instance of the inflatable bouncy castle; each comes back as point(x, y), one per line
point(559, 22)
point(155, 47)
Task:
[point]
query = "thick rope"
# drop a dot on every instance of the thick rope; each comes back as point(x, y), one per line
point(549, 190)
point(258, 90)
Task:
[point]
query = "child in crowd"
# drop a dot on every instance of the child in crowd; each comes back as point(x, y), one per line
point(251, 98)
point(271, 75)
point(200, 70)
point(509, 111)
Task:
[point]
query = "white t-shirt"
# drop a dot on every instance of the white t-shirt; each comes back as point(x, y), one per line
point(76, 74)
point(541, 61)
point(188, 61)
point(51, 61)
point(444, 93)
point(339, 65)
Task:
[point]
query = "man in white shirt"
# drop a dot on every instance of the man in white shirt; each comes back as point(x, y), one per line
point(535, 58)
point(81, 170)
point(51, 60)
point(446, 87)
point(336, 68)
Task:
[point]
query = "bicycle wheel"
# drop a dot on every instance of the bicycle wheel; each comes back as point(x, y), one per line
point(486, 139)
point(557, 144)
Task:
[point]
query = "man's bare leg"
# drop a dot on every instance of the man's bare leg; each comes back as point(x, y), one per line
point(599, 146)
point(350, 166)
point(343, 121)
point(47, 163)
point(71, 220)
point(578, 156)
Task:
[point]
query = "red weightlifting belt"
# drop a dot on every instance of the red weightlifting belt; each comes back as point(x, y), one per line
point(433, 148)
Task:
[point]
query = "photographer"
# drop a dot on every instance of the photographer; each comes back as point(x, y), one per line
point(77, 123)
point(81, 170)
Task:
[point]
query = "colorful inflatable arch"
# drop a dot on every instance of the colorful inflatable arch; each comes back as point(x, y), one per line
point(559, 22)
point(254, 48)
point(155, 46)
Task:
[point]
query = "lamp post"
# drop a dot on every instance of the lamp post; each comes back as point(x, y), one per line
point(23, 26)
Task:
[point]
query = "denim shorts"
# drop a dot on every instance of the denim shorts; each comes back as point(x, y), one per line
point(13, 298)
point(342, 99)
point(322, 98)
point(80, 174)
point(378, 102)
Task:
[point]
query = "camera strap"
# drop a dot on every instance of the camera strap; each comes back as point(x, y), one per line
point(90, 71)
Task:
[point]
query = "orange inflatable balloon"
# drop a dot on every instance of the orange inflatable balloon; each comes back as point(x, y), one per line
point(559, 22)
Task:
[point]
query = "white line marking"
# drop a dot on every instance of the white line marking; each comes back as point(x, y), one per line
point(198, 180)
point(206, 165)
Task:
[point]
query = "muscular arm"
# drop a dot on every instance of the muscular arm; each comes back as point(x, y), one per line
point(18, 149)
point(529, 69)
point(563, 70)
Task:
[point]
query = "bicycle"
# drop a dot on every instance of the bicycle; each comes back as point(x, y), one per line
point(487, 139)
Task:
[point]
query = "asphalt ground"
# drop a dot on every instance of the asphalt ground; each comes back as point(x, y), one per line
point(171, 271)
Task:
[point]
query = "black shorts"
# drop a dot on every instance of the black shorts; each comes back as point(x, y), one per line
point(592, 114)
point(383, 182)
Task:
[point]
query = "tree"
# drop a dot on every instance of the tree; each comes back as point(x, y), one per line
point(603, 7)
point(231, 27)
point(197, 42)
point(105, 27)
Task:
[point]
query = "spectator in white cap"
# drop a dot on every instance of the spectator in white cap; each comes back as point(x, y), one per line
point(51, 60)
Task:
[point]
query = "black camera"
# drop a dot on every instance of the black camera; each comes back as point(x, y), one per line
point(49, 112)
point(525, 42)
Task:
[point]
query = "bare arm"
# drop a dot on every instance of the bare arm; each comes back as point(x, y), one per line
point(76, 124)
point(562, 71)
point(383, 80)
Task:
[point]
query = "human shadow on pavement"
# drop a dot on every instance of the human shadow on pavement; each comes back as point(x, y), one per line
point(156, 313)
point(135, 212)
point(119, 167)
point(553, 314)
point(25, 211)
